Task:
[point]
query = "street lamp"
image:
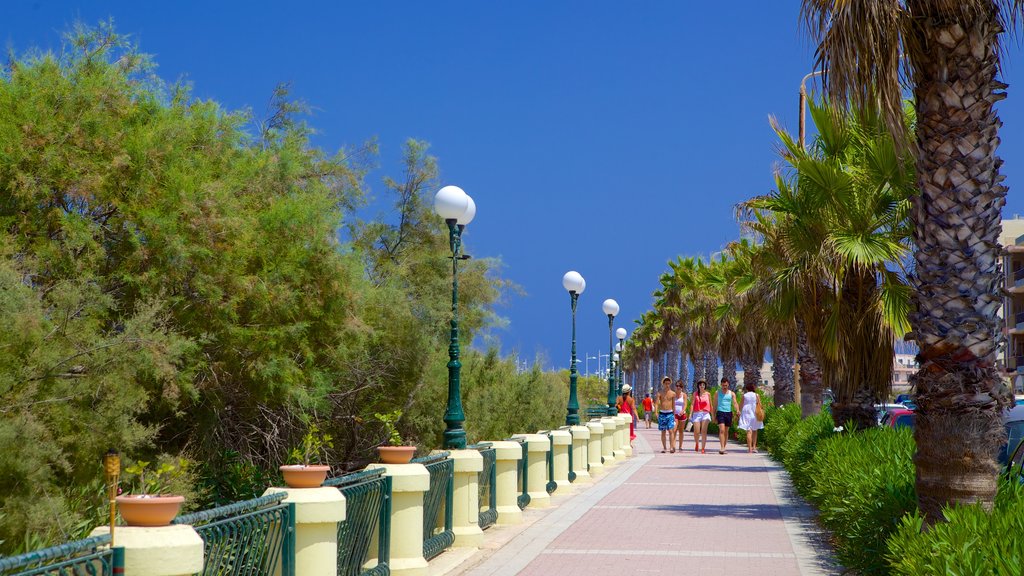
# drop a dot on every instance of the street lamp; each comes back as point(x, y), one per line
point(458, 210)
point(575, 285)
point(621, 335)
point(611, 308)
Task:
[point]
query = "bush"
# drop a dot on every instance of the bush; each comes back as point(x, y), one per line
point(863, 484)
point(799, 445)
point(777, 424)
point(972, 541)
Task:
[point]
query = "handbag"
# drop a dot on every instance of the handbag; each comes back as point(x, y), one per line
point(689, 426)
point(759, 411)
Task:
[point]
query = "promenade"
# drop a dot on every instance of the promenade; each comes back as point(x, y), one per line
point(682, 513)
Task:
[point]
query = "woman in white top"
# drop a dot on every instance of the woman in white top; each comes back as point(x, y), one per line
point(680, 414)
point(748, 416)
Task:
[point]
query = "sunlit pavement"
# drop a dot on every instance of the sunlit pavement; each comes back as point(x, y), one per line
point(682, 513)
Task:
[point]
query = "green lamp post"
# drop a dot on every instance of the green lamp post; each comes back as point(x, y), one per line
point(620, 348)
point(458, 210)
point(575, 285)
point(611, 308)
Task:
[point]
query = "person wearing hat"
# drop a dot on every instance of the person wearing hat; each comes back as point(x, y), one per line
point(627, 405)
point(666, 414)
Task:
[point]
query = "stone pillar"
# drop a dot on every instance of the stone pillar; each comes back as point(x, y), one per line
point(621, 437)
point(608, 441)
point(408, 484)
point(595, 446)
point(506, 462)
point(580, 441)
point(160, 551)
point(317, 513)
point(537, 447)
point(561, 440)
point(466, 505)
point(627, 448)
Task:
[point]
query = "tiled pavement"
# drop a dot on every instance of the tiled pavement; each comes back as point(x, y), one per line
point(682, 513)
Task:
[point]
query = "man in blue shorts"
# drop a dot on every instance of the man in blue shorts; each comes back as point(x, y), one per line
point(666, 415)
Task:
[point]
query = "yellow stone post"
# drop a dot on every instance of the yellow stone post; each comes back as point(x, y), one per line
point(561, 439)
point(608, 441)
point(506, 462)
point(625, 420)
point(595, 447)
point(466, 505)
point(317, 514)
point(537, 447)
point(408, 484)
point(580, 442)
point(161, 551)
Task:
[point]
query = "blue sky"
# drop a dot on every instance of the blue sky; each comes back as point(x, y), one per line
point(605, 137)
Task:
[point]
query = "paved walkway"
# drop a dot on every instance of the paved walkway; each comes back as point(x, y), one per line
point(682, 513)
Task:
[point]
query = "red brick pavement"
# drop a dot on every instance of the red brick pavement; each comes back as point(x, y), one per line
point(682, 513)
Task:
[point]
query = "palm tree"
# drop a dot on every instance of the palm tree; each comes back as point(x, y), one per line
point(950, 59)
point(841, 219)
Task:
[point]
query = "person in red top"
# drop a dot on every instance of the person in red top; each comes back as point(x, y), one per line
point(700, 415)
point(648, 408)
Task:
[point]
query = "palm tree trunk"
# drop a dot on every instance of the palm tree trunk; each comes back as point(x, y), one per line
point(673, 360)
point(698, 367)
point(782, 371)
point(684, 371)
point(752, 368)
point(810, 374)
point(960, 395)
point(729, 368)
point(711, 368)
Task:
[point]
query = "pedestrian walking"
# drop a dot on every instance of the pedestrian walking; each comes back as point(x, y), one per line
point(750, 404)
point(724, 405)
point(680, 414)
point(648, 409)
point(700, 416)
point(666, 418)
point(627, 405)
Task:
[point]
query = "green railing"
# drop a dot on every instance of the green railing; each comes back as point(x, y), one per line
point(551, 486)
point(524, 475)
point(251, 538)
point(89, 557)
point(437, 504)
point(488, 495)
point(572, 443)
point(367, 513)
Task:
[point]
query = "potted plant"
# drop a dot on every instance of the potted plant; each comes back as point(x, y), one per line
point(151, 506)
point(394, 452)
point(306, 474)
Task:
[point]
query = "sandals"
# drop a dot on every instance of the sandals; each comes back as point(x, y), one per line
point(672, 451)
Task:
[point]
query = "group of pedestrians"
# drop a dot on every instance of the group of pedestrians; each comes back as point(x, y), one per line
point(675, 410)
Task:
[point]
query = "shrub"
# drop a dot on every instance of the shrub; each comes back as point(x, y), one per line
point(799, 445)
point(777, 424)
point(972, 541)
point(863, 484)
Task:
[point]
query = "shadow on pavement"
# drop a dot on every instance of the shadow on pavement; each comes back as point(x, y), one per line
point(744, 511)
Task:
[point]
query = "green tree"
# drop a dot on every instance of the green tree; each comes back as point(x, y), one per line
point(948, 53)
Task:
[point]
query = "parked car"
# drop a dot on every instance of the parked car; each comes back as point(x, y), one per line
point(903, 398)
point(1013, 420)
point(899, 418)
point(882, 409)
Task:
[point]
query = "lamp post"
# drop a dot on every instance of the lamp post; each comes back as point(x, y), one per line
point(575, 284)
point(611, 308)
point(458, 210)
point(621, 335)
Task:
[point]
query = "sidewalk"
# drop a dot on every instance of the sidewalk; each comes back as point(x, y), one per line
point(682, 513)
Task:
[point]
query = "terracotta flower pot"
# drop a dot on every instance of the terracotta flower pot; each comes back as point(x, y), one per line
point(145, 510)
point(302, 476)
point(396, 454)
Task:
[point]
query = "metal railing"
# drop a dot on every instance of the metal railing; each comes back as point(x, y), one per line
point(551, 486)
point(437, 504)
point(572, 444)
point(1018, 317)
point(89, 557)
point(524, 476)
point(249, 538)
point(367, 513)
point(1018, 274)
point(487, 483)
